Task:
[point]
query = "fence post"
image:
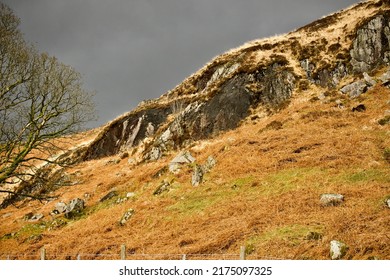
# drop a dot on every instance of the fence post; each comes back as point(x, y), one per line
point(242, 253)
point(43, 253)
point(123, 252)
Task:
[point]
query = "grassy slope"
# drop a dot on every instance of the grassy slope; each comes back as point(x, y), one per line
point(263, 193)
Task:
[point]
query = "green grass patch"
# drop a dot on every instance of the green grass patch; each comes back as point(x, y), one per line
point(290, 179)
point(364, 176)
point(292, 234)
point(199, 200)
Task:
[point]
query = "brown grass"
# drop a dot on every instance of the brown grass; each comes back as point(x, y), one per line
point(263, 193)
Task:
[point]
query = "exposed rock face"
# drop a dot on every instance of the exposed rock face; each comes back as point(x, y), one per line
point(371, 46)
point(128, 131)
point(222, 94)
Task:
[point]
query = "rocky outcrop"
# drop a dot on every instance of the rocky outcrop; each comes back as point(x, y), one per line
point(371, 47)
point(221, 95)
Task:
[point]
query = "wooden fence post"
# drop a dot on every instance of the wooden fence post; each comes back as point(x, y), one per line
point(43, 253)
point(123, 252)
point(242, 253)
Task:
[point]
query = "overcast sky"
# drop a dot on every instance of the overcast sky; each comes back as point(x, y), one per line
point(132, 50)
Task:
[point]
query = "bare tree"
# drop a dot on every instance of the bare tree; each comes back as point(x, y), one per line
point(40, 99)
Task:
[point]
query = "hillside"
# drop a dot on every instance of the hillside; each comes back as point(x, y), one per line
point(270, 127)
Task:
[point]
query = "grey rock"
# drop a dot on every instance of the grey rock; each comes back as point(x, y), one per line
point(355, 89)
point(369, 80)
point(331, 199)
point(130, 194)
point(210, 163)
point(385, 77)
point(197, 176)
point(183, 157)
point(126, 216)
point(109, 195)
point(370, 45)
point(337, 250)
point(388, 202)
point(163, 187)
point(74, 208)
point(36, 217)
point(60, 207)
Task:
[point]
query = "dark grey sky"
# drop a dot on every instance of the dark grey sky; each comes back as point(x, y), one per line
point(131, 50)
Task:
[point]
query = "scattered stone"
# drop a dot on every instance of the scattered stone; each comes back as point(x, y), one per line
point(36, 217)
point(211, 162)
point(113, 161)
point(126, 216)
point(109, 195)
point(359, 108)
point(87, 196)
point(337, 250)
point(384, 121)
point(130, 194)
point(369, 80)
point(184, 157)
point(121, 200)
point(385, 78)
point(388, 202)
point(331, 199)
point(197, 176)
point(131, 161)
point(60, 207)
point(163, 187)
point(339, 104)
point(355, 89)
point(74, 208)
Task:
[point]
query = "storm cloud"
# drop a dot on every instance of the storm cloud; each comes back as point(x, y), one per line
point(132, 50)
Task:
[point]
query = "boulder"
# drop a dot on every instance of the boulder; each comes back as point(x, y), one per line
point(337, 250)
point(197, 176)
point(59, 208)
point(126, 216)
point(74, 208)
point(355, 89)
point(36, 217)
point(130, 194)
point(331, 199)
point(387, 202)
point(369, 80)
point(109, 195)
point(163, 187)
point(210, 163)
point(183, 157)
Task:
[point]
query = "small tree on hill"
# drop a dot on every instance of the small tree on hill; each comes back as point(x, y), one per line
point(40, 99)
